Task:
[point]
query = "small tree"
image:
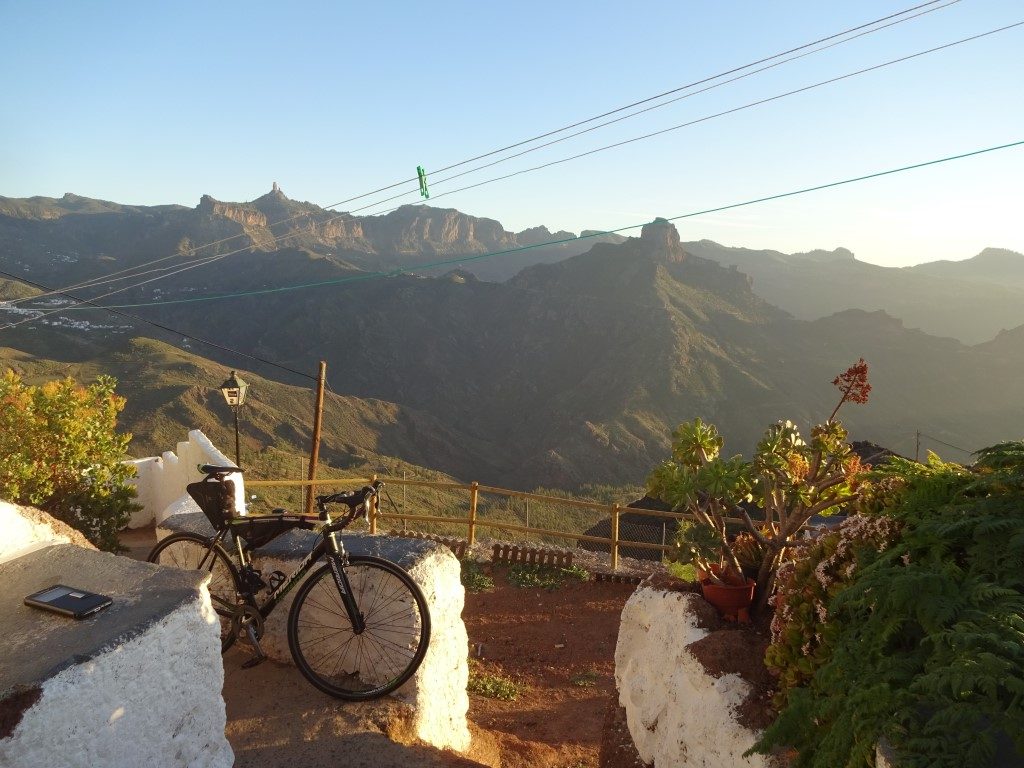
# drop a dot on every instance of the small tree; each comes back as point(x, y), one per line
point(60, 452)
point(789, 479)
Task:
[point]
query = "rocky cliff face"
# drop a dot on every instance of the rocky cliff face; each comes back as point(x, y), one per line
point(408, 237)
point(244, 215)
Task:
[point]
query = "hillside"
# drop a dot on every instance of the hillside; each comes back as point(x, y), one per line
point(170, 391)
point(969, 300)
point(571, 372)
point(577, 371)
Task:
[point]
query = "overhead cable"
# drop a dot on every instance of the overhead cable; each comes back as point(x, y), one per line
point(948, 445)
point(575, 238)
point(212, 259)
point(706, 118)
point(649, 99)
point(863, 29)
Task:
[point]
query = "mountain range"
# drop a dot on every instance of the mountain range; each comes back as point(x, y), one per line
point(572, 370)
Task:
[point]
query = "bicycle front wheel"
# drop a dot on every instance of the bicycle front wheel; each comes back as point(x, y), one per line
point(358, 666)
point(194, 552)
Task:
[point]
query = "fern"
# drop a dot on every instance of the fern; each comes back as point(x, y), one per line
point(926, 643)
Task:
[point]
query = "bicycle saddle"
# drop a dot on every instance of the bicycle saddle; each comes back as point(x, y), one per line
point(212, 469)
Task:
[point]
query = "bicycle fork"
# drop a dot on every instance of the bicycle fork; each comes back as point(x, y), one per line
point(338, 560)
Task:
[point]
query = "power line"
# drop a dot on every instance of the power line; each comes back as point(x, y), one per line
point(948, 445)
point(867, 27)
point(706, 118)
point(203, 262)
point(648, 99)
point(117, 311)
point(648, 109)
point(477, 257)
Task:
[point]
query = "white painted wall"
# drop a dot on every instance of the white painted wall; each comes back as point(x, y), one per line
point(678, 715)
point(161, 480)
point(153, 701)
point(24, 529)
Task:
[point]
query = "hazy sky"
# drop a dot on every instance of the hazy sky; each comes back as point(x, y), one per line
point(159, 103)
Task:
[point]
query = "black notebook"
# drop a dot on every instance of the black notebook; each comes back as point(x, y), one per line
point(68, 601)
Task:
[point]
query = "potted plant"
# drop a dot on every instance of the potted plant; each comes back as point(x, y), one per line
point(788, 479)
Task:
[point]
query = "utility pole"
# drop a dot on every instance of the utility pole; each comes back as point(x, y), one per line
point(318, 418)
point(917, 447)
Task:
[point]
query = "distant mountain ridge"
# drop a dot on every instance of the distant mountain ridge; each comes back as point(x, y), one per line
point(970, 300)
point(407, 237)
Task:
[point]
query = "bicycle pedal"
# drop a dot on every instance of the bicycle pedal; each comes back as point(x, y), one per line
point(254, 641)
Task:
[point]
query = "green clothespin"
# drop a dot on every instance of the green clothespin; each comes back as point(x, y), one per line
point(423, 181)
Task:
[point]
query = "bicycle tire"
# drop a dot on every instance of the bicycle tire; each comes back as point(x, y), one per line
point(186, 550)
point(381, 658)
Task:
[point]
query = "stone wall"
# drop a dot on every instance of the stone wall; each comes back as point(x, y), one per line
point(678, 714)
point(135, 705)
point(120, 688)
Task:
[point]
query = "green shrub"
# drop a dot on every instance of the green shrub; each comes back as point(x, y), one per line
point(491, 685)
point(60, 452)
point(473, 577)
point(529, 576)
point(684, 571)
point(928, 643)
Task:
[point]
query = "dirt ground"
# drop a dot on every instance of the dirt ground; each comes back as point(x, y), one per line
point(558, 645)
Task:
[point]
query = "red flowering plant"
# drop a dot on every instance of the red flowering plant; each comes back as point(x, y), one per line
point(791, 480)
point(854, 385)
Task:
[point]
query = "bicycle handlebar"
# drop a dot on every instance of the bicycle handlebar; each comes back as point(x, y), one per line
point(351, 498)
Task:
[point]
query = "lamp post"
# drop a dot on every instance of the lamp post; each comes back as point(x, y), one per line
point(234, 390)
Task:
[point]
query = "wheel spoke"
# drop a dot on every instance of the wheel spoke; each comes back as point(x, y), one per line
point(377, 660)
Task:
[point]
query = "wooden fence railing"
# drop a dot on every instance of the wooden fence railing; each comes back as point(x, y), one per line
point(474, 522)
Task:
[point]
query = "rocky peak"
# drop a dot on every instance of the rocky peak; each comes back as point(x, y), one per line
point(275, 194)
point(819, 254)
point(660, 238)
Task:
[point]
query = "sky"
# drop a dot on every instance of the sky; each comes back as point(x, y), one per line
point(155, 103)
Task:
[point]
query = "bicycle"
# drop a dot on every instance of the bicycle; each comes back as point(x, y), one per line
point(359, 625)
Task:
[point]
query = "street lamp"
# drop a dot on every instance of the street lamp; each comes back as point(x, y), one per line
point(234, 390)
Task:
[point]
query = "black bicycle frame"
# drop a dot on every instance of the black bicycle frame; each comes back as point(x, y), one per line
point(337, 558)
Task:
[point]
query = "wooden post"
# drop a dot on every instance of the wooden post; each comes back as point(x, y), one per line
point(405, 487)
point(615, 537)
point(474, 494)
point(373, 509)
point(314, 453)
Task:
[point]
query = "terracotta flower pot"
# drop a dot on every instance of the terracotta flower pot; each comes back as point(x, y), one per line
point(732, 602)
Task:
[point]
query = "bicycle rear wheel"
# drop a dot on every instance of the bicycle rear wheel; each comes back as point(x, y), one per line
point(358, 666)
point(189, 550)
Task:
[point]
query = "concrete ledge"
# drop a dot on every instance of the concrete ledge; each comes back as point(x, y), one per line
point(437, 692)
point(137, 683)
